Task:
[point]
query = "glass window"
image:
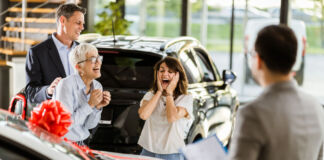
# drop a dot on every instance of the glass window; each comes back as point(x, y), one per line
point(154, 17)
point(188, 61)
point(207, 71)
point(127, 70)
point(308, 23)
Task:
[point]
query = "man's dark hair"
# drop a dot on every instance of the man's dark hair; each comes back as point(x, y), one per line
point(67, 10)
point(277, 47)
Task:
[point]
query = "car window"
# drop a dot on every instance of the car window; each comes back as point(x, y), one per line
point(127, 70)
point(188, 61)
point(206, 68)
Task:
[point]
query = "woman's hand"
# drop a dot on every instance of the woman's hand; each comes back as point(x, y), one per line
point(96, 97)
point(159, 85)
point(173, 84)
point(106, 97)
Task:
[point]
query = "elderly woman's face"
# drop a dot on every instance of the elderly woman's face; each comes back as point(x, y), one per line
point(91, 68)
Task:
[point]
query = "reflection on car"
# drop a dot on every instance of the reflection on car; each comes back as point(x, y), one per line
point(22, 140)
point(127, 72)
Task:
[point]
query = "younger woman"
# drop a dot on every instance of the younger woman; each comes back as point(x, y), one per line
point(167, 109)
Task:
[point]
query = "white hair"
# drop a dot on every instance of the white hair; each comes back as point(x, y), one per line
point(79, 53)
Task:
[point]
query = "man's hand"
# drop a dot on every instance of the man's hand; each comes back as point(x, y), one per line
point(105, 100)
point(51, 88)
point(95, 97)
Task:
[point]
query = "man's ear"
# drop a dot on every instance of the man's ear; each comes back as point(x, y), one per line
point(62, 19)
point(260, 62)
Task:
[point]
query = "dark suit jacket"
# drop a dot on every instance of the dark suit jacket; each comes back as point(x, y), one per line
point(43, 65)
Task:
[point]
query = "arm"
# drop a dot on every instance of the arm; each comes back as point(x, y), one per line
point(174, 113)
point(148, 107)
point(35, 90)
point(94, 118)
point(64, 93)
point(248, 138)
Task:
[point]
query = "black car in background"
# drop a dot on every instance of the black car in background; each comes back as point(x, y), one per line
point(127, 72)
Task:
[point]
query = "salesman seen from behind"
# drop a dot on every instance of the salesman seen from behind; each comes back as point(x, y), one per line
point(81, 94)
point(283, 123)
point(48, 62)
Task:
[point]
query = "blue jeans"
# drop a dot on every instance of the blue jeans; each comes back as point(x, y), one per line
point(173, 156)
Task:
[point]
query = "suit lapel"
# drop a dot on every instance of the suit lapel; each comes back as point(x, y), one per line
point(53, 52)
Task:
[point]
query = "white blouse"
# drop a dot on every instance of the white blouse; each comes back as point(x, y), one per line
point(160, 136)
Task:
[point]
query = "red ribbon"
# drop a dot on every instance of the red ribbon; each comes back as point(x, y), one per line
point(51, 116)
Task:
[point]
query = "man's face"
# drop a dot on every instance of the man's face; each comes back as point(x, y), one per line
point(73, 26)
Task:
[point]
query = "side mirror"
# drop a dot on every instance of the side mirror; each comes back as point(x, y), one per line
point(228, 76)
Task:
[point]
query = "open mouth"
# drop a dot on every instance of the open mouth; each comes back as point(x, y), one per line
point(96, 69)
point(165, 82)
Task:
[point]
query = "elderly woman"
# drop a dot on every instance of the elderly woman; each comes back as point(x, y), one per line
point(81, 94)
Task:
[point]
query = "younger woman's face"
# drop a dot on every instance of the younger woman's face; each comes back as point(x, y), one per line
point(165, 74)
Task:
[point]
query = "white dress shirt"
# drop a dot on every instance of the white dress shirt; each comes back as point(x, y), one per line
point(71, 93)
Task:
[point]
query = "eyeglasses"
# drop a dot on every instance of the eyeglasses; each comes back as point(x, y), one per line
point(93, 59)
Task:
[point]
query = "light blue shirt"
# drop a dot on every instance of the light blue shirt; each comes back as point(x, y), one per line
point(64, 52)
point(71, 93)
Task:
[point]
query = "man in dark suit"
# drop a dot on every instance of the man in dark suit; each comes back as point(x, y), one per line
point(283, 123)
point(48, 62)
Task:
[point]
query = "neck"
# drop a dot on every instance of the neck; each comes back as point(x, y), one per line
point(87, 82)
point(63, 38)
point(271, 78)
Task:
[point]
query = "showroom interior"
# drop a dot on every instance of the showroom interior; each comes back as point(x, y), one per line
point(224, 29)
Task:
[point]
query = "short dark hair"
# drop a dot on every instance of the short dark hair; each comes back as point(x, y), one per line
point(67, 10)
point(277, 47)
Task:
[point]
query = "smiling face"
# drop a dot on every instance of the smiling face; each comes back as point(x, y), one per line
point(89, 69)
point(73, 26)
point(165, 75)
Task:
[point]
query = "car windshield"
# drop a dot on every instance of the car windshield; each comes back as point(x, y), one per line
point(127, 69)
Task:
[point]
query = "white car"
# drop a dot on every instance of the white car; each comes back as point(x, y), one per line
point(20, 140)
point(252, 29)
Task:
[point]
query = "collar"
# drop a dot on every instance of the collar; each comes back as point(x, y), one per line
point(59, 44)
point(81, 84)
point(283, 84)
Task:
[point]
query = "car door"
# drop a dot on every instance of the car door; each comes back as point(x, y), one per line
point(218, 100)
point(202, 100)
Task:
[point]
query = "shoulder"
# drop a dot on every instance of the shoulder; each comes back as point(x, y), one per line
point(41, 46)
point(70, 80)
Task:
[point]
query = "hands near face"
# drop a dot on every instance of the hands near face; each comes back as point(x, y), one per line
point(159, 83)
point(173, 84)
point(105, 99)
point(51, 88)
point(99, 98)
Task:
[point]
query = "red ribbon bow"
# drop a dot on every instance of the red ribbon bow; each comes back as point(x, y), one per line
point(51, 116)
